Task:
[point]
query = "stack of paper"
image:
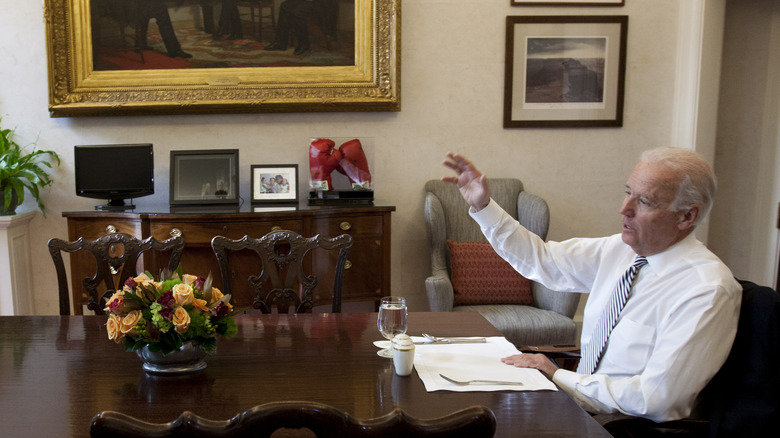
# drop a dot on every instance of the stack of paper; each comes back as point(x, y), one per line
point(466, 361)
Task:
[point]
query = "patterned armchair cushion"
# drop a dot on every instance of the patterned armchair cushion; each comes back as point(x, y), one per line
point(481, 276)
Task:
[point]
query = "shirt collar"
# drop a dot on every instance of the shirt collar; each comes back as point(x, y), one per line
point(671, 257)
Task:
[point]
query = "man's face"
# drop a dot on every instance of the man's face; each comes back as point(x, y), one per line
point(649, 227)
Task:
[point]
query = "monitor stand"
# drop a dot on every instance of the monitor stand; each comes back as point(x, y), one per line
point(115, 205)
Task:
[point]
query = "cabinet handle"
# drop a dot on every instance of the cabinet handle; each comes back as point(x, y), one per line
point(224, 229)
point(345, 226)
point(347, 265)
point(110, 229)
point(175, 232)
point(276, 228)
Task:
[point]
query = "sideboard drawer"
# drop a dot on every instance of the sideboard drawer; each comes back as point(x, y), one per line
point(202, 232)
point(352, 225)
point(92, 229)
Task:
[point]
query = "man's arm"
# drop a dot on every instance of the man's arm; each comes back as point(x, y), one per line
point(689, 349)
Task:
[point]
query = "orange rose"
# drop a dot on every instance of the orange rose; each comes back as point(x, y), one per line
point(216, 294)
point(113, 328)
point(142, 279)
point(183, 294)
point(181, 320)
point(131, 320)
point(116, 307)
point(189, 279)
point(200, 304)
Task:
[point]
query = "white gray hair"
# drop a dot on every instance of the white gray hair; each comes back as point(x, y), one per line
point(697, 180)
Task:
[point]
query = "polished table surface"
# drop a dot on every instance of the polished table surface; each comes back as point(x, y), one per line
point(59, 371)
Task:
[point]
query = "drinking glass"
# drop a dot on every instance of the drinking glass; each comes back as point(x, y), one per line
point(391, 321)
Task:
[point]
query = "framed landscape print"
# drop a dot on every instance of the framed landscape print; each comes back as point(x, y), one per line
point(109, 57)
point(204, 177)
point(564, 71)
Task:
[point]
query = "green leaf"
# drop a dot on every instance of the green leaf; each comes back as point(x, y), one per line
point(21, 169)
point(226, 326)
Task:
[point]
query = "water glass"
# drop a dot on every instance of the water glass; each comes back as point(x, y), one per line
point(392, 320)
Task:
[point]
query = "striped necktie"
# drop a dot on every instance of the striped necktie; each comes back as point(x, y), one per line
point(598, 339)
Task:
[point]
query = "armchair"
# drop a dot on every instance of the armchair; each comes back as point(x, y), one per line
point(549, 320)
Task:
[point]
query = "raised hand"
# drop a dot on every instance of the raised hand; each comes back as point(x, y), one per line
point(472, 183)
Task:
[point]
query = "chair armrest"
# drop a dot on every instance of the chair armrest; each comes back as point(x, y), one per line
point(533, 213)
point(564, 303)
point(563, 350)
point(440, 293)
point(622, 425)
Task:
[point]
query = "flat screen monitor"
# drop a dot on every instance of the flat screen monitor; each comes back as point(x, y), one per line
point(115, 172)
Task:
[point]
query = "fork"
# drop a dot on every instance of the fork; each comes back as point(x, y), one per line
point(487, 382)
point(453, 340)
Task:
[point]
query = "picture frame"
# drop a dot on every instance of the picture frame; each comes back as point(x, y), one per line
point(568, 3)
point(274, 183)
point(78, 89)
point(565, 71)
point(204, 177)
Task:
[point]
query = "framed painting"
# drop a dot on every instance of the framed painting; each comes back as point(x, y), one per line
point(564, 71)
point(204, 177)
point(568, 3)
point(148, 57)
point(274, 183)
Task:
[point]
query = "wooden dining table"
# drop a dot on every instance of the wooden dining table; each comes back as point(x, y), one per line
point(58, 372)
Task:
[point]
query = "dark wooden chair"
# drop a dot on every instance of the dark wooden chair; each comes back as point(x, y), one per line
point(283, 281)
point(116, 258)
point(322, 420)
point(742, 398)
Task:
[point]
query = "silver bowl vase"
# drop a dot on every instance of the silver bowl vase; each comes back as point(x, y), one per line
point(188, 359)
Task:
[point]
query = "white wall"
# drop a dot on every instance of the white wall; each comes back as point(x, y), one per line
point(744, 220)
point(452, 99)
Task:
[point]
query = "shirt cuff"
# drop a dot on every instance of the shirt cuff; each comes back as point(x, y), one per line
point(490, 215)
point(568, 381)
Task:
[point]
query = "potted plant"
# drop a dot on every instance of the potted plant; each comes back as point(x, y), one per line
point(20, 170)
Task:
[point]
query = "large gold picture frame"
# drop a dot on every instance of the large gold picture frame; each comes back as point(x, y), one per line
point(77, 89)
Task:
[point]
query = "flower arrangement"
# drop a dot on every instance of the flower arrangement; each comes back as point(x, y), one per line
point(164, 314)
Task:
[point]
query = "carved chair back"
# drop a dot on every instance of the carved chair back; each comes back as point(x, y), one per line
point(116, 258)
point(283, 282)
point(320, 419)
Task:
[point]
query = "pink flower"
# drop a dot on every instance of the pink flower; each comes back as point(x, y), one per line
point(220, 310)
point(167, 300)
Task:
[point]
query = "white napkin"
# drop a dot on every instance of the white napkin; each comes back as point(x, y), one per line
point(475, 361)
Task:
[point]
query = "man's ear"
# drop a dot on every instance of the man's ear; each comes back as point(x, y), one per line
point(688, 218)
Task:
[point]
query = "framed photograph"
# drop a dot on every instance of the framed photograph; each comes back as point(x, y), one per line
point(159, 58)
point(568, 3)
point(204, 177)
point(564, 71)
point(274, 183)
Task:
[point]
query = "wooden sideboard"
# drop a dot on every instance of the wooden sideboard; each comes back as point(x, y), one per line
point(366, 278)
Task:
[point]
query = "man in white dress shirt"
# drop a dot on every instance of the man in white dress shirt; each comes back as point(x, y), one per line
point(679, 322)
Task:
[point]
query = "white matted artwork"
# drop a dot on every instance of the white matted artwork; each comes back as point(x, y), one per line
point(274, 183)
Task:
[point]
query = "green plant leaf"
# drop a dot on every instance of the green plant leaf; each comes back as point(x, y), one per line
point(22, 170)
